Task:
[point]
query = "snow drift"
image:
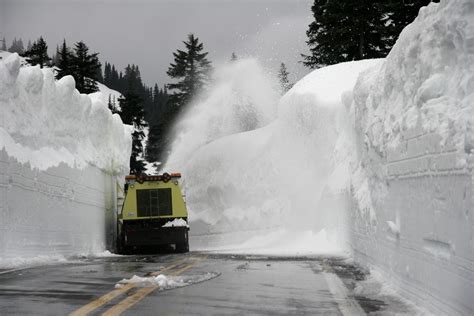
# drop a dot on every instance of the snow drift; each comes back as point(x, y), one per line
point(59, 154)
point(372, 157)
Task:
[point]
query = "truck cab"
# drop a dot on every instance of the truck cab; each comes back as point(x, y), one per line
point(153, 213)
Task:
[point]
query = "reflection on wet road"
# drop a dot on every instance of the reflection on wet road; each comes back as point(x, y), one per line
point(194, 284)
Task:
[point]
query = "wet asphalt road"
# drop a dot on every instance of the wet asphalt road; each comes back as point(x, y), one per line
point(237, 285)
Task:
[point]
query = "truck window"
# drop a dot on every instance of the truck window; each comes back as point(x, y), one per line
point(154, 202)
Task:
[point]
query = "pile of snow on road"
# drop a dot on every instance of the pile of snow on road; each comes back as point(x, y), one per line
point(45, 122)
point(166, 282)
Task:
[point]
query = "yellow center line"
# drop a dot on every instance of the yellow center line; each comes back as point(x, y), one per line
point(104, 299)
point(86, 309)
point(142, 293)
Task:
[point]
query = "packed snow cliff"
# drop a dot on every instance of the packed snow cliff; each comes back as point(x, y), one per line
point(45, 122)
point(61, 156)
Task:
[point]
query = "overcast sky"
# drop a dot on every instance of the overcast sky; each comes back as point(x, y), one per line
point(146, 33)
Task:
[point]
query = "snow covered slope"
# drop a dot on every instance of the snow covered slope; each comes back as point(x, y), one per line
point(59, 155)
point(104, 93)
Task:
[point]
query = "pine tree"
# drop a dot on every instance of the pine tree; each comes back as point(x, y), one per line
point(156, 94)
point(4, 45)
point(64, 61)
point(283, 77)
point(356, 29)
point(400, 14)
point(107, 74)
point(191, 68)
point(344, 31)
point(28, 47)
point(112, 105)
point(132, 113)
point(86, 68)
point(38, 54)
point(17, 47)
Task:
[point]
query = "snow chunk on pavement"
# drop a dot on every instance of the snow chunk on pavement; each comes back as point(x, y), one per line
point(166, 282)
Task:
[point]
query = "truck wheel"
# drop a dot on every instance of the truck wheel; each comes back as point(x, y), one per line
point(182, 247)
point(121, 248)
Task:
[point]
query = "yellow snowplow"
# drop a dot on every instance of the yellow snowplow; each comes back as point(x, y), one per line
point(153, 213)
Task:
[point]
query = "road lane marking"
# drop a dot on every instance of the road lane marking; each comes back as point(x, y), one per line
point(128, 302)
point(346, 303)
point(104, 299)
point(86, 309)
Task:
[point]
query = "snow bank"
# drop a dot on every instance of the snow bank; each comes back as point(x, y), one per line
point(59, 154)
point(45, 122)
point(413, 185)
point(246, 184)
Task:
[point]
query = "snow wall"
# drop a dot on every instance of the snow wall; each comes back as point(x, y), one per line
point(61, 153)
point(414, 121)
point(371, 158)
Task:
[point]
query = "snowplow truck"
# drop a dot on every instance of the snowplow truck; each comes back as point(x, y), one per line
point(153, 213)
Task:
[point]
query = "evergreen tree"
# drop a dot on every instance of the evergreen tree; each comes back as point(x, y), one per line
point(38, 54)
point(345, 31)
point(28, 47)
point(86, 68)
point(64, 61)
point(17, 47)
point(4, 45)
point(283, 77)
point(112, 105)
point(156, 93)
point(114, 78)
point(400, 13)
point(132, 114)
point(356, 29)
point(191, 68)
point(233, 57)
point(107, 75)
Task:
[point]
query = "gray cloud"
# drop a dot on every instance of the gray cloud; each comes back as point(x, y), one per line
point(147, 32)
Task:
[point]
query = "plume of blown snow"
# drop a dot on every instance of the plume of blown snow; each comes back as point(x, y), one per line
point(259, 167)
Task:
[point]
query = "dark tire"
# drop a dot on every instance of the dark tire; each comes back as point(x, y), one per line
point(182, 247)
point(121, 248)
